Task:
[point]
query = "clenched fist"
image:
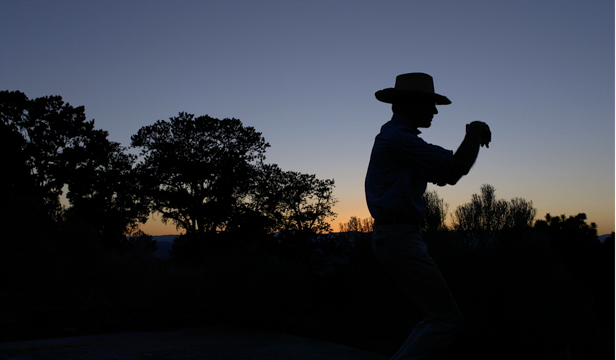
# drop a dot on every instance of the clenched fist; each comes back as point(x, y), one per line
point(481, 131)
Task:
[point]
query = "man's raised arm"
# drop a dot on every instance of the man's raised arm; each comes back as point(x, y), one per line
point(477, 134)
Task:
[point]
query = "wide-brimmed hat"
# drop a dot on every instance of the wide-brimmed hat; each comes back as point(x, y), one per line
point(412, 87)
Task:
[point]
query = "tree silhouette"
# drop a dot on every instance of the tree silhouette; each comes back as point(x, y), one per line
point(436, 211)
point(293, 201)
point(574, 227)
point(197, 169)
point(20, 180)
point(520, 214)
point(574, 239)
point(106, 190)
point(358, 225)
point(54, 134)
point(590, 268)
point(24, 214)
point(483, 217)
point(59, 147)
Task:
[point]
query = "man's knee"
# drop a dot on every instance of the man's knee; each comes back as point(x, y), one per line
point(457, 324)
point(452, 325)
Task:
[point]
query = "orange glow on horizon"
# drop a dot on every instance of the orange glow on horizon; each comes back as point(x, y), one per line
point(155, 227)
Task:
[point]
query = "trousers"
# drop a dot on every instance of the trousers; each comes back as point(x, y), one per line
point(401, 251)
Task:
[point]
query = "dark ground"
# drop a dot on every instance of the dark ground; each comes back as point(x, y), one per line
point(198, 343)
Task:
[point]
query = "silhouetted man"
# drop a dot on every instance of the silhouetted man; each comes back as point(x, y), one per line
point(400, 167)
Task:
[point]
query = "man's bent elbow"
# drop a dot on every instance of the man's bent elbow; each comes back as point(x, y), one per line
point(454, 177)
point(452, 181)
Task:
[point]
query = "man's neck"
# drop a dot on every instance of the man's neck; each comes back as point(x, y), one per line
point(406, 121)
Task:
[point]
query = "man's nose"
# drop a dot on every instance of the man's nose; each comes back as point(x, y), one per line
point(435, 111)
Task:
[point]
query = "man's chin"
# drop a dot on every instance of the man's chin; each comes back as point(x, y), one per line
point(426, 125)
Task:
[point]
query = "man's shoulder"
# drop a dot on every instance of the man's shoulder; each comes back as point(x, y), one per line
point(396, 132)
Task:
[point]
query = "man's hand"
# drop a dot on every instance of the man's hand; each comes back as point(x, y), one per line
point(480, 131)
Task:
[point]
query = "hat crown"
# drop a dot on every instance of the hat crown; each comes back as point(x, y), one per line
point(415, 82)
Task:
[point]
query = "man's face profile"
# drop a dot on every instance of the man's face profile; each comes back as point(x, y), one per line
point(420, 113)
point(424, 114)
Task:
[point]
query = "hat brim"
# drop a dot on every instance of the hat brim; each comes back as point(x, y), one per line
point(391, 95)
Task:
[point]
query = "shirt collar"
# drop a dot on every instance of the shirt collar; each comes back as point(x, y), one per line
point(402, 120)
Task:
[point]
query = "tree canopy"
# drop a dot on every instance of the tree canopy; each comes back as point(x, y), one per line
point(59, 148)
point(485, 215)
point(196, 168)
point(55, 137)
point(207, 175)
point(436, 211)
point(293, 201)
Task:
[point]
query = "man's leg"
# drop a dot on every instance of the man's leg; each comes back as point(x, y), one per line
point(403, 253)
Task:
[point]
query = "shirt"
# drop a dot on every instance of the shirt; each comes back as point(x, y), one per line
point(401, 165)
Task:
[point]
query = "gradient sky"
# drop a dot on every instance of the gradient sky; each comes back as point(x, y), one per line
point(304, 73)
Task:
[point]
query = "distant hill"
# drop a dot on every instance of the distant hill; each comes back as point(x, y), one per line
point(164, 243)
point(603, 237)
point(165, 238)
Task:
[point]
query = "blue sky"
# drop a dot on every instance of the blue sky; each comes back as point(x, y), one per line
point(304, 73)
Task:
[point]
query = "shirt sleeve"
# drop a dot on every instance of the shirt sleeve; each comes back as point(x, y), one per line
point(432, 161)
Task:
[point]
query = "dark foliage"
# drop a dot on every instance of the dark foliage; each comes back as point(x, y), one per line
point(207, 176)
point(436, 212)
point(56, 148)
point(292, 201)
point(519, 298)
point(485, 216)
point(356, 224)
point(197, 169)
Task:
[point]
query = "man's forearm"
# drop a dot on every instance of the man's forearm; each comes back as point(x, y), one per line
point(464, 157)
